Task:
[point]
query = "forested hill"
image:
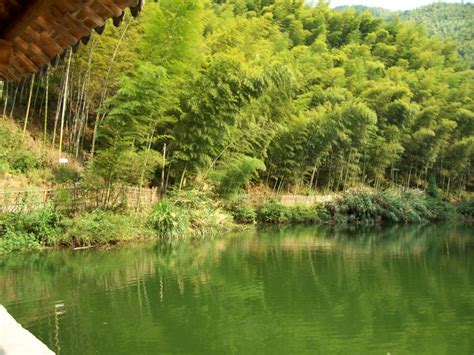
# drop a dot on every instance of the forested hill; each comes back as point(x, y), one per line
point(375, 11)
point(454, 21)
point(217, 93)
point(448, 20)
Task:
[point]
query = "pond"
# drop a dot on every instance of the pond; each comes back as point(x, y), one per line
point(276, 291)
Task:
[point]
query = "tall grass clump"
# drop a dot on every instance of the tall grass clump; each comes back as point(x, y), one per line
point(188, 214)
point(168, 220)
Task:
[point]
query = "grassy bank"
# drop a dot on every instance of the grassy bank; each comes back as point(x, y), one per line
point(180, 216)
point(194, 214)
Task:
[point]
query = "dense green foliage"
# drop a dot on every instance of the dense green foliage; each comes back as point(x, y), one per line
point(361, 207)
point(275, 213)
point(324, 99)
point(369, 207)
point(104, 228)
point(467, 209)
point(15, 155)
point(30, 230)
point(214, 92)
point(454, 21)
point(221, 96)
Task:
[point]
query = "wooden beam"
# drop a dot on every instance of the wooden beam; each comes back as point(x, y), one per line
point(5, 52)
point(32, 11)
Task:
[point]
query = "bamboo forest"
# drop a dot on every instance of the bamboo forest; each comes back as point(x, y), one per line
point(237, 176)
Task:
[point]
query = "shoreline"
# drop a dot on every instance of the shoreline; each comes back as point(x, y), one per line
point(197, 216)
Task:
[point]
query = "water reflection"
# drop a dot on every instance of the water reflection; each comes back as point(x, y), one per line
point(402, 289)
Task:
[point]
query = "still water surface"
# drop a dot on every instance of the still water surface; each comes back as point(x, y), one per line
point(278, 291)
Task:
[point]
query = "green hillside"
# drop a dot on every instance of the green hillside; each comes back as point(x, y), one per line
point(454, 21)
point(375, 11)
point(448, 20)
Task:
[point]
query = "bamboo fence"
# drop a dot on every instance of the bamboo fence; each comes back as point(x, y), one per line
point(76, 199)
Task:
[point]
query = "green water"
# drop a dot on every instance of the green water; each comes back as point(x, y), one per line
point(299, 290)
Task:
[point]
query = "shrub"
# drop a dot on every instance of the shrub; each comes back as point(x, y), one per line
point(208, 222)
point(466, 209)
point(439, 209)
point(322, 212)
point(242, 210)
point(301, 214)
point(244, 214)
point(432, 189)
point(23, 161)
point(188, 214)
point(389, 207)
point(45, 225)
point(272, 212)
point(30, 230)
point(237, 175)
point(103, 227)
point(64, 174)
point(17, 241)
point(190, 199)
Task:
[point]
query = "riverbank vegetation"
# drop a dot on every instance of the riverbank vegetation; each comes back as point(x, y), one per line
point(194, 215)
point(220, 96)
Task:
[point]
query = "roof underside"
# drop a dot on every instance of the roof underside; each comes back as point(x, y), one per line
point(35, 32)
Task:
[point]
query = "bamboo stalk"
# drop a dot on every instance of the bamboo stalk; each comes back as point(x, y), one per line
point(6, 101)
point(14, 101)
point(61, 132)
point(29, 105)
point(45, 127)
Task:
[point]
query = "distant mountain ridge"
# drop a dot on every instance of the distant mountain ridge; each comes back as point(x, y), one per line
point(447, 20)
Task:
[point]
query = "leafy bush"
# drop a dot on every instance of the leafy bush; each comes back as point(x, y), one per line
point(45, 225)
point(272, 212)
point(209, 222)
point(30, 230)
point(242, 210)
point(302, 214)
point(64, 174)
point(237, 175)
point(103, 227)
point(432, 189)
point(389, 207)
point(4, 167)
point(466, 209)
point(23, 161)
point(191, 199)
point(244, 214)
point(13, 241)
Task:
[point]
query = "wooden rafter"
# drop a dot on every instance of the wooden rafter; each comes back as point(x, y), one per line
point(34, 32)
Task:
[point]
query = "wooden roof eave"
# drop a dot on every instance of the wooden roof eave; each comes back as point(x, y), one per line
point(46, 28)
